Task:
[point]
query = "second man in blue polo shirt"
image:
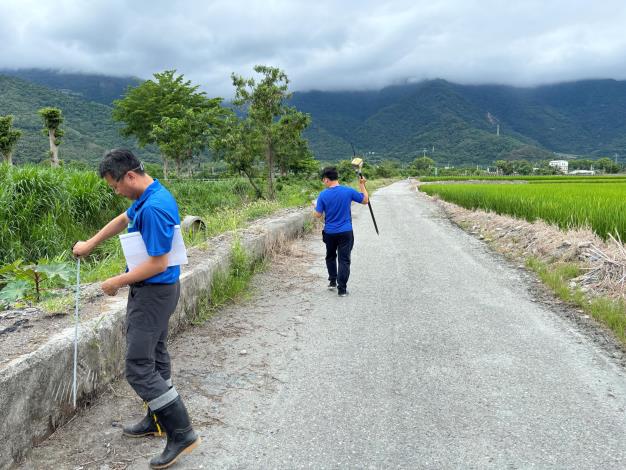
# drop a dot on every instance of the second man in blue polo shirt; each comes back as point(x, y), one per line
point(334, 204)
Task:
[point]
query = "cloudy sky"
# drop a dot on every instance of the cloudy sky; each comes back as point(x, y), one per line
point(321, 44)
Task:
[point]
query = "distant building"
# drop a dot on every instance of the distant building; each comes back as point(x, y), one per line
point(583, 172)
point(561, 165)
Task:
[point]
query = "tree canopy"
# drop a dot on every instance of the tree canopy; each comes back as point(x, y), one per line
point(52, 120)
point(169, 111)
point(275, 128)
point(8, 138)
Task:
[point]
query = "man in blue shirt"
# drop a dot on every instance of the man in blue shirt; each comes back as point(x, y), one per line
point(153, 295)
point(334, 204)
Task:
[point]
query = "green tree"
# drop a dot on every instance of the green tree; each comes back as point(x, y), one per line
point(8, 138)
point(303, 162)
point(52, 120)
point(346, 170)
point(264, 103)
point(239, 145)
point(522, 167)
point(582, 164)
point(606, 164)
point(290, 148)
point(422, 164)
point(153, 104)
point(180, 138)
point(505, 167)
point(388, 169)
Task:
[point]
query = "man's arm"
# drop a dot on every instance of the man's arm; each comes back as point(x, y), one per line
point(315, 213)
point(117, 225)
point(363, 190)
point(157, 234)
point(153, 266)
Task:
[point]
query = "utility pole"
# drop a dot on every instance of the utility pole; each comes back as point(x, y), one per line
point(424, 150)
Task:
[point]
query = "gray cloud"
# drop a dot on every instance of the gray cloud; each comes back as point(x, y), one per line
point(323, 45)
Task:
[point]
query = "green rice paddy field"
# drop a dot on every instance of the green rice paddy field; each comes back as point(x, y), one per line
point(598, 203)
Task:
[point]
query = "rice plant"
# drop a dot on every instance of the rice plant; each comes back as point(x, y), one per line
point(530, 179)
point(599, 206)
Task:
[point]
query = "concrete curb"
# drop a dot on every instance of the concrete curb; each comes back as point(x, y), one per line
point(36, 389)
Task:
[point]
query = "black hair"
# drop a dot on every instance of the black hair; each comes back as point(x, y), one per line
point(330, 172)
point(116, 163)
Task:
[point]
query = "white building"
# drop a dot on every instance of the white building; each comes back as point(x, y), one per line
point(561, 165)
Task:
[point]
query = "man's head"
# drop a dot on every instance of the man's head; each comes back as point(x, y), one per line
point(124, 173)
point(329, 175)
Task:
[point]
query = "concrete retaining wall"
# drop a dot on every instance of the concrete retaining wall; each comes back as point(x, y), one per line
point(36, 389)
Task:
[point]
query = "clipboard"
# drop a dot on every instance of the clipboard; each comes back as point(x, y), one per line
point(136, 253)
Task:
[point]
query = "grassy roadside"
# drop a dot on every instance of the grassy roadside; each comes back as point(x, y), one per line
point(559, 278)
point(229, 285)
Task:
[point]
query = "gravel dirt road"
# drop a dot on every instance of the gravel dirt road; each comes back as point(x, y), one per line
point(440, 357)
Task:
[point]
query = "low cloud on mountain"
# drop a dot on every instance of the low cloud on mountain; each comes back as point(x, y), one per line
point(326, 44)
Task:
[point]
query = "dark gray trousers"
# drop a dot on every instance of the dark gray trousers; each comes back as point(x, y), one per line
point(338, 245)
point(148, 367)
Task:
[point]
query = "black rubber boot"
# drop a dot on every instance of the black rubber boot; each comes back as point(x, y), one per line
point(181, 438)
point(148, 426)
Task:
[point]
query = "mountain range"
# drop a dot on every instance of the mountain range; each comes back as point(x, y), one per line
point(89, 128)
point(451, 123)
point(464, 124)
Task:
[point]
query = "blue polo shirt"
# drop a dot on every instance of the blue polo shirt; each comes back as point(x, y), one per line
point(335, 203)
point(154, 215)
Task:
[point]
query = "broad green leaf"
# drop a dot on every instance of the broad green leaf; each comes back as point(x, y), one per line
point(14, 291)
point(25, 272)
point(8, 270)
point(61, 270)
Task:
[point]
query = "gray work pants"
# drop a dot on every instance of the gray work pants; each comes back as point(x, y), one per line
point(148, 368)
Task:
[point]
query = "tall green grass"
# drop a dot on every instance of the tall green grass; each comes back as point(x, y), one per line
point(43, 211)
point(196, 197)
point(229, 204)
point(599, 206)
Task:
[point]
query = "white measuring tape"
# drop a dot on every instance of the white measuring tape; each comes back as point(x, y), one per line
point(76, 330)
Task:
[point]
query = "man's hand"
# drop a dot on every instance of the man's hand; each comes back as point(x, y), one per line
point(82, 249)
point(110, 286)
point(363, 189)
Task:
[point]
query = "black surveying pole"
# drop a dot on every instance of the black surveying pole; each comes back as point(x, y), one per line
point(369, 205)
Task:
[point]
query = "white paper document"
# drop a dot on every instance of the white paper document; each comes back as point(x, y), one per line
point(136, 253)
